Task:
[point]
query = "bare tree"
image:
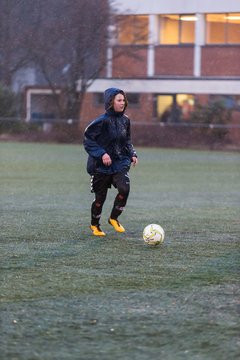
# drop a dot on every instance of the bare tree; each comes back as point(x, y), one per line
point(86, 40)
point(65, 40)
point(13, 55)
point(69, 46)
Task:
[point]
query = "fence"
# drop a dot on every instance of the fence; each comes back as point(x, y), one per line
point(181, 134)
point(186, 135)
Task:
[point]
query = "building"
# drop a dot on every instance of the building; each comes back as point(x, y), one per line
point(170, 55)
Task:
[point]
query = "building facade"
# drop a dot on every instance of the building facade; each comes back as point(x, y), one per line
point(169, 56)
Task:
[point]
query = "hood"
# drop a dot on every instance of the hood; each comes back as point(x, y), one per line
point(109, 94)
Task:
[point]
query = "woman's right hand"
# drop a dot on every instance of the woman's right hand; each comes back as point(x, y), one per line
point(106, 159)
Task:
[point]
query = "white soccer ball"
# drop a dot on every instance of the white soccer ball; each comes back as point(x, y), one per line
point(153, 234)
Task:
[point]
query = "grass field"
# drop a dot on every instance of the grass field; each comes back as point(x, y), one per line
point(68, 295)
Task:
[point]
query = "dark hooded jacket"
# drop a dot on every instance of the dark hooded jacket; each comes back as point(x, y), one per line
point(109, 133)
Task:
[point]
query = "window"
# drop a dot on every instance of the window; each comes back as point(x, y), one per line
point(98, 99)
point(187, 29)
point(133, 99)
point(230, 102)
point(132, 29)
point(164, 104)
point(186, 103)
point(169, 29)
point(177, 29)
point(43, 107)
point(175, 108)
point(223, 28)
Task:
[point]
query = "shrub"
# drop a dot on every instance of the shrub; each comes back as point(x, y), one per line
point(213, 119)
point(8, 103)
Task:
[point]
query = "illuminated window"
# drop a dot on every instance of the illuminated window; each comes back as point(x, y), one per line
point(223, 28)
point(169, 29)
point(164, 104)
point(177, 29)
point(187, 29)
point(186, 103)
point(132, 29)
point(215, 28)
point(233, 28)
point(175, 108)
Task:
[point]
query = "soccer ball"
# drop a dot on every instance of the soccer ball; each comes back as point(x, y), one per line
point(153, 234)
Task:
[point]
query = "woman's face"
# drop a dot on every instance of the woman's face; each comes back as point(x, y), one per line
point(119, 103)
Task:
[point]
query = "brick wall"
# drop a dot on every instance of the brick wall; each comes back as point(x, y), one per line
point(174, 60)
point(234, 133)
point(129, 62)
point(90, 110)
point(221, 61)
point(141, 112)
point(147, 132)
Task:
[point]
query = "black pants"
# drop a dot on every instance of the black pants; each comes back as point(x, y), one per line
point(100, 183)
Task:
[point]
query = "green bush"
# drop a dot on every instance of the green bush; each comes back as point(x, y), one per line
point(16, 126)
point(212, 118)
point(10, 123)
point(8, 103)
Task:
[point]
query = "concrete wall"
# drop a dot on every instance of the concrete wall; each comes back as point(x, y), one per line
point(175, 6)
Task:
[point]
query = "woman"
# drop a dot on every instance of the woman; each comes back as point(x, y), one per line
point(108, 144)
